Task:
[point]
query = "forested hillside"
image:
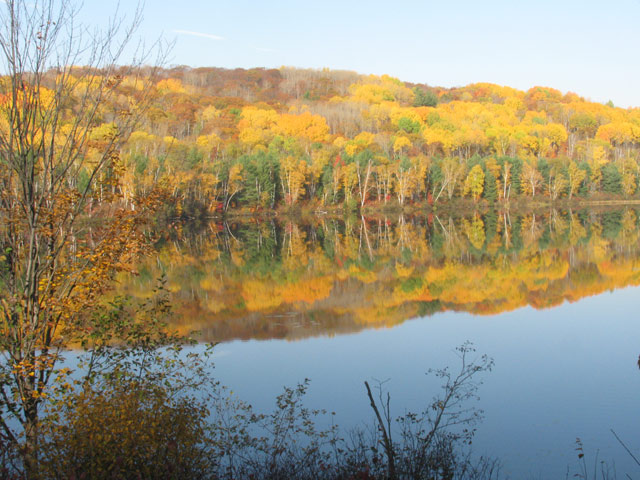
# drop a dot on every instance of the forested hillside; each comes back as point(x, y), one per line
point(261, 139)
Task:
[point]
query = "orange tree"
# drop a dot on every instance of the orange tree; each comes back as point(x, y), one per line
point(63, 231)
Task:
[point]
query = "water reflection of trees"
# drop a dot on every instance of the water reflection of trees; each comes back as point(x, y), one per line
point(319, 275)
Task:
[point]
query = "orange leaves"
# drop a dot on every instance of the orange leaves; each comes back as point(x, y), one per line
point(170, 85)
point(256, 124)
point(619, 133)
point(308, 290)
point(312, 128)
point(259, 126)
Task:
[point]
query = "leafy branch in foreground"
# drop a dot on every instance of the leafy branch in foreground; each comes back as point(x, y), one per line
point(137, 405)
point(153, 410)
point(61, 129)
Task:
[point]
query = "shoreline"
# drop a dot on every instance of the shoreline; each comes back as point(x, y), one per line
point(456, 208)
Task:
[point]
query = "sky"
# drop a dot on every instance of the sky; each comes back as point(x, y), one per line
point(586, 47)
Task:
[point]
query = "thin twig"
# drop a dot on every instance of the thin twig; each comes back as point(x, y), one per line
point(625, 447)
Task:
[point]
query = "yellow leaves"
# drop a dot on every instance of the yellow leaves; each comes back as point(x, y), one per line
point(212, 283)
point(383, 270)
point(351, 149)
point(140, 136)
point(514, 104)
point(253, 136)
point(629, 183)
point(256, 125)
point(170, 85)
point(121, 422)
point(264, 294)
point(381, 89)
point(235, 177)
point(260, 295)
point(134, 83)
point(618, 133)
point(364, 139)
point(294, 174)
point(401, 143)
point(259, 126)
point(210, 113)
point(319, 160)
point(576, 177)
point(556, 133)
point(361, 142)
point(308, 290)
point(170, 141)
point(340, 142)
point(531, 178)
point(475, 231)
point(599, 156)
point(397, 113)
point(207, 143)
point(310, 127)
point(214, 304)
point(258, 118)
point(403, 271)
point(435, 136)
point(107, 132)
point(474, 183)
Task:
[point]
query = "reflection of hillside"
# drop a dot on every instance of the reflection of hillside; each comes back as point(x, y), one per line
point(271, 280)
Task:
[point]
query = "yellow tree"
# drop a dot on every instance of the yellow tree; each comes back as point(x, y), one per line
point(629, 170)
point(596, 160)
point(384, 178)
point(556, 134)
point(452, 171)
point(293, 175)
point(558, 183)
point(52, 268)
point(349, 180)
point(401, 144)
point(531, 178)
point(500, 138)
point(474, 182)
point(234, 184)
point(575, 177)
point(256, 126)
point(406, 182)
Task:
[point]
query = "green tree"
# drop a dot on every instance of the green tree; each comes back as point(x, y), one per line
point(261, 177)
point(490, 187)
point(611, 179)
point(408, 125)
point(424, 98)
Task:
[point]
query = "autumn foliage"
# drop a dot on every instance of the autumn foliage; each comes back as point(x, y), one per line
point(258, 139)
point(325, 275)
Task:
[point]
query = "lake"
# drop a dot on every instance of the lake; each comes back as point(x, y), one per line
point(551, 296)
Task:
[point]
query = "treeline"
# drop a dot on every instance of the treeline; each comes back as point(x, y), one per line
point(263, 139)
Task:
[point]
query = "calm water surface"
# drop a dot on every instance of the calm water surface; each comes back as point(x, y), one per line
point(551, 296)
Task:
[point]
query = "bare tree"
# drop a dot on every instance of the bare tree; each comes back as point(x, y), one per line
point(426, 448)
point(61, 126)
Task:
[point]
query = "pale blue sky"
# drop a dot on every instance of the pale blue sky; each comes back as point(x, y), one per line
point(587, 47)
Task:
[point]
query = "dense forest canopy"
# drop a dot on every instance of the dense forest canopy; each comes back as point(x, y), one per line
point(259, 139)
